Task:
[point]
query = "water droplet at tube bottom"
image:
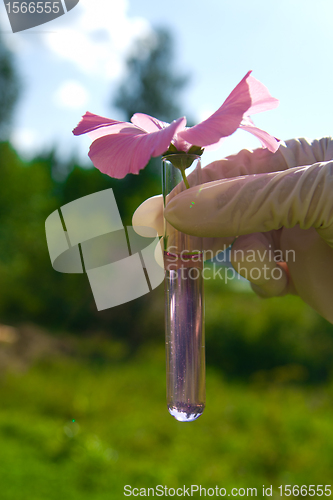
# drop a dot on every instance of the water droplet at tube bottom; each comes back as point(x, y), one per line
point(184, 305)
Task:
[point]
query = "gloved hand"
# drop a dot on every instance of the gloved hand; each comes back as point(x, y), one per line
point(278, 210)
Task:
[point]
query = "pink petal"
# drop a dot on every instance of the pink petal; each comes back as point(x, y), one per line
point(267, 141)
point(151, 124)
point(260, 97)
point(224, 121)
point(249, 96)
point(98, 126)
point(91, 122)
point(148, 123)
point(130, 150)
point(180, 144)
point(114, 129)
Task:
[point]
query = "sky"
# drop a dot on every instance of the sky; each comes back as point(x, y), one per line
point(74, 64)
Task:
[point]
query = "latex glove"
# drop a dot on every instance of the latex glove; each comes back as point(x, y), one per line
point(276, 204)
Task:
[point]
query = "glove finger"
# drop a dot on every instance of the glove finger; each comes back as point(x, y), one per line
point(245, 162)
point(310, 264)
point(257, 203)
point(255, 257)
point(292, 153)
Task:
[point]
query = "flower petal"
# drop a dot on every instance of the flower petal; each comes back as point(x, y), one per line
point(131, 149)
point(98, 126)
point(148, 123)
point(260, 97)
point(248, 97)
point(114, 129)
point(224, 121)
point(91, 122)
point(267, 141)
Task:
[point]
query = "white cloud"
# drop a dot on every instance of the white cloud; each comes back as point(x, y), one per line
point(71, 94)
point(96, 36)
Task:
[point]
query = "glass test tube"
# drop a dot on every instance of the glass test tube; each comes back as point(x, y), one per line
point(184, 304)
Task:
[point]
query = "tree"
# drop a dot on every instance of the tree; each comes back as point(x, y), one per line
point(151, 85)
point(9, 89)
point(30, 289)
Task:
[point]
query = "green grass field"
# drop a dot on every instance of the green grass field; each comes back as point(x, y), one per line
point(81, 426)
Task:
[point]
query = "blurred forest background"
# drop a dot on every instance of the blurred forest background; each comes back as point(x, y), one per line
point(82, 392)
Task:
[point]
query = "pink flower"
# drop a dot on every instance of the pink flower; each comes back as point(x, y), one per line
point(119, 148)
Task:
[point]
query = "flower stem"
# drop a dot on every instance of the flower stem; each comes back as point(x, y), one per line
point(185, 178)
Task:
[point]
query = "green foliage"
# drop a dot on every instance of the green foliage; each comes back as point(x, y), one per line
point(270, 340)
point(151, 84)
point(9, 89)
point(23, 210)
point(249, 435)
point(129, 192)
point(30, 289)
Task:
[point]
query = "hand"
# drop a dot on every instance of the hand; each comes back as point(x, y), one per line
point(278, 210)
